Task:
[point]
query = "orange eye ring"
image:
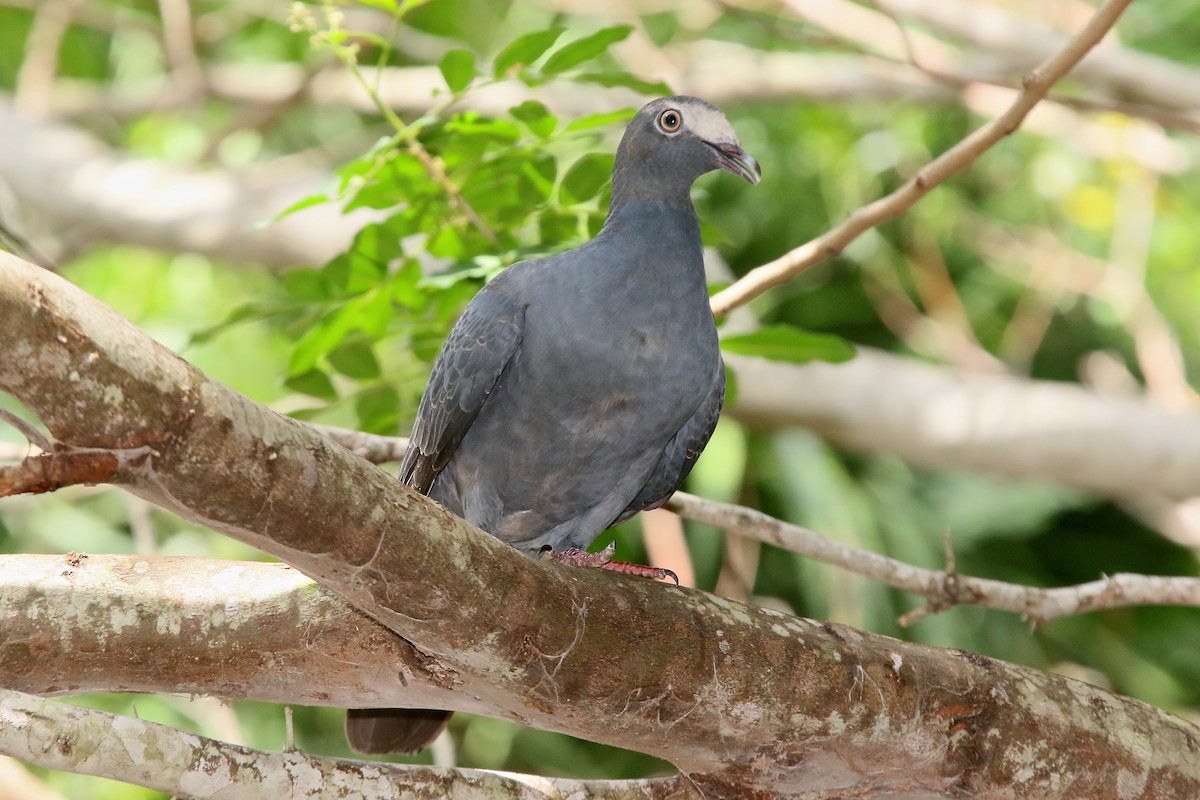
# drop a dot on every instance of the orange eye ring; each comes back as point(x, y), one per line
point(670, 121)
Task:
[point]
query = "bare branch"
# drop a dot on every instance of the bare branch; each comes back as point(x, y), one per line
point(82, 740)
point(943, 588)
point(1119, 72)
point(35, 79)
point(1035, 86)
point(371, 446)
point(51, 471)
point(940, 418)
point(85, 192)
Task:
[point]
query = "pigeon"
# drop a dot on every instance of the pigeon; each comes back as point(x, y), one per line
point(579, 389)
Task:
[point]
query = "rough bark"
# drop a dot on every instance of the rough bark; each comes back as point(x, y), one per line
point(114, 623)
point(187, 766)
point(742, 699)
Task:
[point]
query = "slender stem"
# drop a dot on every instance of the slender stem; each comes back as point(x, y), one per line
point(1033, 89)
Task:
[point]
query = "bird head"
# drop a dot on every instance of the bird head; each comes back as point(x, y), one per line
point(674, 140)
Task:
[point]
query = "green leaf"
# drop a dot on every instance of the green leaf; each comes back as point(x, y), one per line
point(558, 227)
point(458, 68)
point(378, 409)
point(537, 179)
point(307, 414)
point(472, 124)
point(355, 359)
point(536, 117)
point(786, 343)
point(314, 382)
point(731, 387)
point(406, 288)
point(299, 205)
point(365, 264)
point(585, 49)
point(661, 27)
point(525, 50)
point(307, 285)
point(587, 177)
point(601, 120)
point(368, 312)
point(625, 80)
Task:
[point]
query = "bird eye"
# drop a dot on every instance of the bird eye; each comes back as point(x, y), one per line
point(670, 120)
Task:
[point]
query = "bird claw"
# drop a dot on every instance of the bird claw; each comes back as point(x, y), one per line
point(603, 560)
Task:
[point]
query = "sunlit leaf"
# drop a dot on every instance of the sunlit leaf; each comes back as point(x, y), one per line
point(458, 69)
point(367, 313)
point(299, 205)
point(583, 50)
point(308, 285)
point(601, 120)
point(406, 286)
point(525, 50)
point(536, 117)
point(786, 343)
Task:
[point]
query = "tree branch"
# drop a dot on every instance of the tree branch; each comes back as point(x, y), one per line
point(741, 699)
point(943, 588)
point(87, 193)
point(90, 742)
point(1117, 71)
point(1034, 87)
point(941, 418)
point(240, 630)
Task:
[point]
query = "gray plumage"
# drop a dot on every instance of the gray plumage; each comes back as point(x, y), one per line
point(579, 389)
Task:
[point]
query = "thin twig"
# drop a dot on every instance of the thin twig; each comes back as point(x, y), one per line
point(180, 46)
point(373, 447)
point(35, 437)
point(1034, 87)
point(36, 75)
point(944, 588)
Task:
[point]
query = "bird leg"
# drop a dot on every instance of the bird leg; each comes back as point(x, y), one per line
point(603, 560)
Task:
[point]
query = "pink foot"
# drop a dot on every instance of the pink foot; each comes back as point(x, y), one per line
point(603, 560)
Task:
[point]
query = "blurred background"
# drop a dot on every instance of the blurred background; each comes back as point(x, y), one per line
point(148, 151)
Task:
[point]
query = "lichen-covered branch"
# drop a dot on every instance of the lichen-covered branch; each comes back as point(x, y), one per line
point(741, 699)
point(183, 765)
point(241, 630)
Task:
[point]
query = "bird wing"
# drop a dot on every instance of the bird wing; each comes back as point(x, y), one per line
point(481, 345)
point(681, 452)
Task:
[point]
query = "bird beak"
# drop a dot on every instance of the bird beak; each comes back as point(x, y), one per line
point(736, 160)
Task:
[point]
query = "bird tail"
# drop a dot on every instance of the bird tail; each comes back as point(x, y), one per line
point(378, 731)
